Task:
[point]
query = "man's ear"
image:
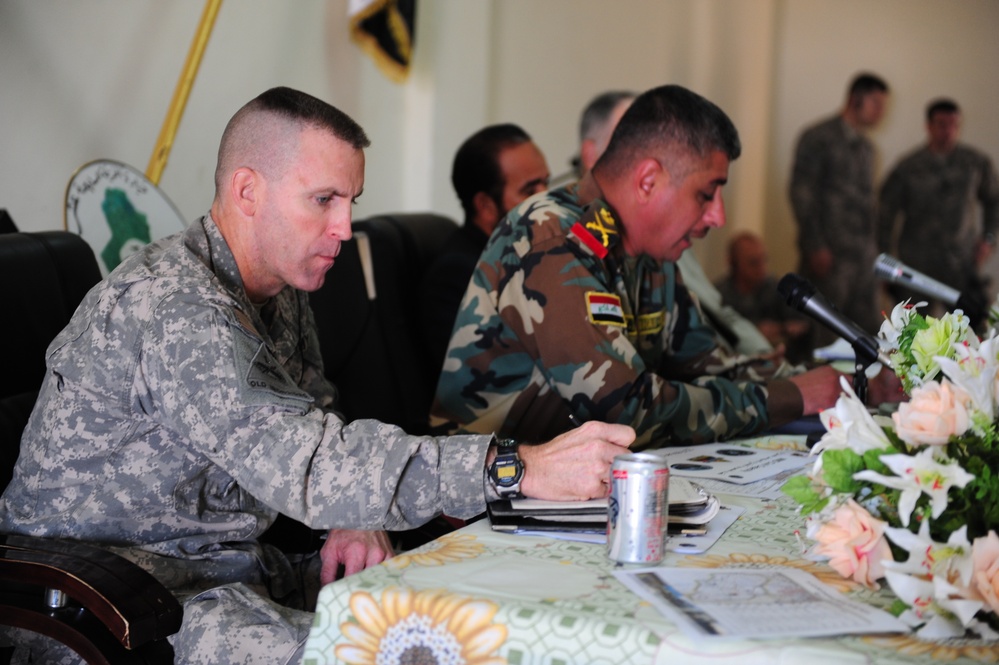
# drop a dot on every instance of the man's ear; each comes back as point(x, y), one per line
point(647, 175)
point(243, 187)
point(587, 154)
point(486, 211)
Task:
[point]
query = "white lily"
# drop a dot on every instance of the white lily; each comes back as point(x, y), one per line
point(892, 326)
point(918, 474)
point(850, 425)
point(950, 560)
point(935, 604)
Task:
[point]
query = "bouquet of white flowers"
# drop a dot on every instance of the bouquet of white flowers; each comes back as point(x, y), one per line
point(914, 499)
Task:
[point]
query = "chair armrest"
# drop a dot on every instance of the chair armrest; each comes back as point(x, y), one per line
point(134, 606)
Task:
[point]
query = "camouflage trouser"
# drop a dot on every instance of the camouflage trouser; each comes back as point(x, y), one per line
point(231, 623)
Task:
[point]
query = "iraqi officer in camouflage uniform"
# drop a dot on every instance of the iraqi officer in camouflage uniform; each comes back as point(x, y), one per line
point(940, 208)
point(832, 194)
point(574, 312)
point(185, 406)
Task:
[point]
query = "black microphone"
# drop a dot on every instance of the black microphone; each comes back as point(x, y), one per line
point(892, 270)
point(802, 296)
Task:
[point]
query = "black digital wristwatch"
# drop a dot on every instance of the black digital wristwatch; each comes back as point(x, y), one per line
point(506, 471)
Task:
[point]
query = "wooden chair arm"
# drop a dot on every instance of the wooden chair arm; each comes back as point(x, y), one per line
point(130, 602)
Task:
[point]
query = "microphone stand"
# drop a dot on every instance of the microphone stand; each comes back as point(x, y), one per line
point(860, 375)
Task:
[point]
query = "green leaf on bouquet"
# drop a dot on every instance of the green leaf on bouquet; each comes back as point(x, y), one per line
point(897, 608)
point(838, 467)
point(872, 461)
point(802, 490)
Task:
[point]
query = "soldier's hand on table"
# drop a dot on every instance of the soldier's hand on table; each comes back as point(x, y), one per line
point(885, 388)
point(354, 551)
point(819, 388)
point(574, 465)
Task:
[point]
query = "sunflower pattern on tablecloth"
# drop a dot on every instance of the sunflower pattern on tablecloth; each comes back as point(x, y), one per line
point(431, 626)
point(452, 548)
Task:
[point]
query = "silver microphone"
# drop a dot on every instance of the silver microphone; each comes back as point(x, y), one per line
point(892, 270)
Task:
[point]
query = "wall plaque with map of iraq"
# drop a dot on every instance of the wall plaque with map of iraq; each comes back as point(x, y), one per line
point(117, 210)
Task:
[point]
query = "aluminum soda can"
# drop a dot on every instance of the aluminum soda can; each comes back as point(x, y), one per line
point(638, 508)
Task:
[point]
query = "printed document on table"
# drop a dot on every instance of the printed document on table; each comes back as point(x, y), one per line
point(767, 489)
point(757, 603)
point(731, 462)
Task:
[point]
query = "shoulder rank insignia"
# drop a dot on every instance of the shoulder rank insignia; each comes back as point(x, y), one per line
point(604, 309)
point(597, 229)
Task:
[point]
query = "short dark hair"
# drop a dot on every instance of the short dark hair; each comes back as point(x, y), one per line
point(866, 83)
point(476, 164)
point(248, 126)
point(309, 110)
point(598, 111)
point(941, 105)
point(669, 122)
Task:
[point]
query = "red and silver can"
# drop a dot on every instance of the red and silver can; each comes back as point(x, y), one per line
point(638, 508)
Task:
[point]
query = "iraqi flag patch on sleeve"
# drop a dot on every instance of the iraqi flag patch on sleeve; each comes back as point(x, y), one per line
point(604, 308)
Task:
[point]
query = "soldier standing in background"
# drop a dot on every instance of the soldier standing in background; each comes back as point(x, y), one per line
point(940, 209)
point(832, 194)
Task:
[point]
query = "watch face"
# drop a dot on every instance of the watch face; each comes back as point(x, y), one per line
point(506, 473)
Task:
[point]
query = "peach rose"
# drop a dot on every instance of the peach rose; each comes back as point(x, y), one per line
point(935, 412)
point(855, 544)
point(985, 573)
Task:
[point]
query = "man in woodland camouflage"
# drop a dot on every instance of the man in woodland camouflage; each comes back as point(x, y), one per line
point(573, 310)
point(185, 406)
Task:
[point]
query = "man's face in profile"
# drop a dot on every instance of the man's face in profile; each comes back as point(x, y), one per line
point(306, 212)
point(871, 108)
point(679, 209)
point(525, 173)
point(749, 263)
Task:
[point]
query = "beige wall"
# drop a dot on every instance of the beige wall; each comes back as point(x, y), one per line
point(93, 79)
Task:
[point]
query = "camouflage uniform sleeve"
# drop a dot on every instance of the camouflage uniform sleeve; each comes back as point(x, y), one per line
point(207, 375)
point(807, 177)
point(890, 202)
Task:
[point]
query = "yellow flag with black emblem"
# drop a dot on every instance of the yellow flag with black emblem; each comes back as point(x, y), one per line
point(384, 29)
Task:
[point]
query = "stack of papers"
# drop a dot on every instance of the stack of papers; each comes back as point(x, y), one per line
point(751, 468)
point(696, 518)
point(689, 505)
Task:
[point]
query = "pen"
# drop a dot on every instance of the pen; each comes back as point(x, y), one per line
point(574, 420)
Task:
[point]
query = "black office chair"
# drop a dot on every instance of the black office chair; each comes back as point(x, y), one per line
point(368, 319)
point(370, 332)
point(102, 606)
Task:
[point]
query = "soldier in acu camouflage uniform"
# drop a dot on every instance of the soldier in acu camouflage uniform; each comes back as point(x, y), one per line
point(574, 310)
point(832, 194)
point(940, 210)
point(185, 406)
